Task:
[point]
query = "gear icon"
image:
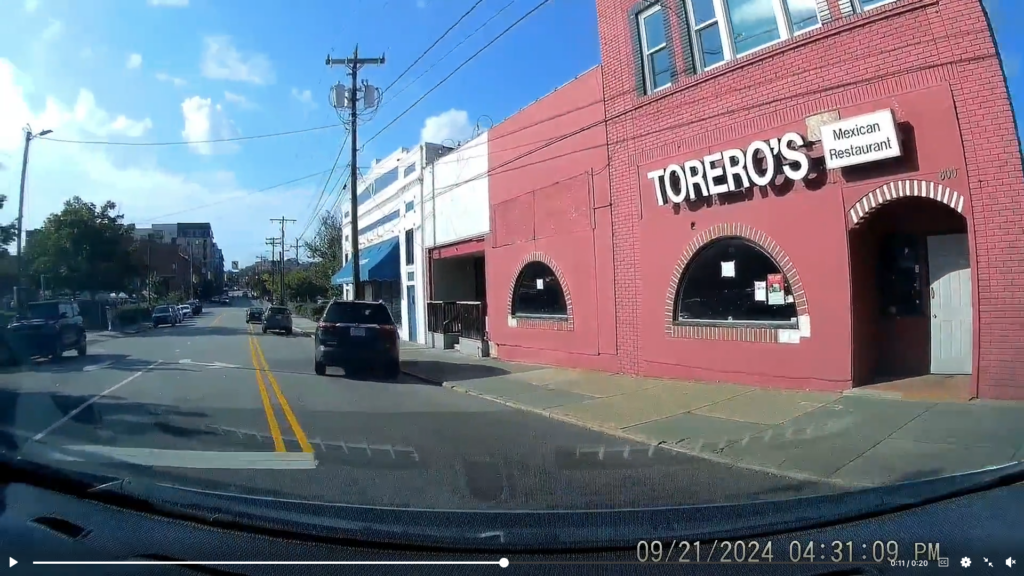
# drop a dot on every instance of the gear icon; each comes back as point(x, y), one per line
point(965, 562)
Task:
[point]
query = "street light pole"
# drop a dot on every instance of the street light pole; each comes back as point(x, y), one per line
point(29, 136)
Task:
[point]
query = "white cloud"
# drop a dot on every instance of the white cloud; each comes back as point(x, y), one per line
point(171, 3)
point(143, 189)
point(304, 96)
point(205, 120)
point(222, 61)
point(31, 5)
point(53, 30)
point(165, 77)
point(239, 100)
point(134, 61)
point(451, 125)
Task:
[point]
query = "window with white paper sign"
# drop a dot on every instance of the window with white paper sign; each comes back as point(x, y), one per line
point(538, 292)
point(727, 281)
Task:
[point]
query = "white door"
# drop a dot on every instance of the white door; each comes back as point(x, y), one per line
point(949, 270)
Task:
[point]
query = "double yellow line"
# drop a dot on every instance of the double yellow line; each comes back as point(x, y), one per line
point(259, 362)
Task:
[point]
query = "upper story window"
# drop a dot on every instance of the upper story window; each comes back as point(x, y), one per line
point(657, 58)
point(725, 29)
point(862, 5)
point(408, 171)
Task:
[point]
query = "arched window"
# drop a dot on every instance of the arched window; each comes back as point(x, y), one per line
point(538, 292)
point(732, 280)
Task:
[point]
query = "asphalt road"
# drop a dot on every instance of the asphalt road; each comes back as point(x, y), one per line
point(213, 403)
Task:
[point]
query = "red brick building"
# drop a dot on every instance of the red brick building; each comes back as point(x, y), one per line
point(792, 193)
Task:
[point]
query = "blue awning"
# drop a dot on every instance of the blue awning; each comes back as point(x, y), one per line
point(380, 261)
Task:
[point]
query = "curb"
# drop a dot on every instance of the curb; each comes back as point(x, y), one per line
point(636, 438)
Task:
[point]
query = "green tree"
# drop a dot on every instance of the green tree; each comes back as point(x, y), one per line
point(84, 247)
point(325, 249)
point(8, 232)
point(302, 286)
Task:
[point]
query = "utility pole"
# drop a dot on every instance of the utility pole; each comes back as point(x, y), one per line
point(272, 242)
point(191, 270)
point(149, 272)
point(297, 240)
point(284, 246)
point(354, 64)
point(29, 136)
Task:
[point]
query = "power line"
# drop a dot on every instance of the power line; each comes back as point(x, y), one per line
point(454, 48)
point(231, 199)
point(341, 150)
point(675, 126)
point(185, 143)
point(452, 73)
point(431, 47)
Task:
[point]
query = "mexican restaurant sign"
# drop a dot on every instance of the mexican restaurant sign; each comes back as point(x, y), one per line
point(732, 170)
point(861, 139)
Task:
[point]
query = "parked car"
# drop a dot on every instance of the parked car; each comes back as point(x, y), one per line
point(185, 310)
point(196, 307)
point(176, 313)
point(254, 314)
point(163, 316)
point(277, 319)
point(355, 336)
point(48, 328)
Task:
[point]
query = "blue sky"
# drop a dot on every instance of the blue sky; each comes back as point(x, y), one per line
point(173, 70)
point(219, 68)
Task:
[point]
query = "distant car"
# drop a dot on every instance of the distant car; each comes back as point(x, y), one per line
point(50, 328)
point(357, 336)
point(164, 316)
point(254, 314)
point(185, 310)
point(277, 319)
point(196, 307)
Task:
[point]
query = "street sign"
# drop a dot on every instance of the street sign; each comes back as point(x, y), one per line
point(234, 264)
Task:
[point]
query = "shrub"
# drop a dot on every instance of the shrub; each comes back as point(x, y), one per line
point(311, 311)
point(131, 315)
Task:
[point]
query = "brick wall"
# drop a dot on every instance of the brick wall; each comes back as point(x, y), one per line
point(549, 196)
point(904, 46)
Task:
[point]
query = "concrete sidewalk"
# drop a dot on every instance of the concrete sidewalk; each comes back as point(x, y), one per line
point(104, 335)
point(848, 439)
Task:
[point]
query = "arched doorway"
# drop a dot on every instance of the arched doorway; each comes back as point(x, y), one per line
point(912, 294)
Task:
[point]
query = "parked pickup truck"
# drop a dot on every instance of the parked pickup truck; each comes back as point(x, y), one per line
point(47, 328)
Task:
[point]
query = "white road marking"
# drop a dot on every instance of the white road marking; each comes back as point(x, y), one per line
point(209, 364)
point(89, 402)
point(97, 366)
point(203, 459)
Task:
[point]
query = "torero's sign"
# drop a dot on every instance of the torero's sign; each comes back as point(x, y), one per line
point(732, 170)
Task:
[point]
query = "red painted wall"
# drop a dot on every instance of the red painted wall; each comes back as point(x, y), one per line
point(933, 62)
point(550, 200)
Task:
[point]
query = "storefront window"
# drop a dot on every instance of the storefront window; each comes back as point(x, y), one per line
point(538, 292)
point(734, 280)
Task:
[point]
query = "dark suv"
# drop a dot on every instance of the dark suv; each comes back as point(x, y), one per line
point(356, 335)
point(47, 328)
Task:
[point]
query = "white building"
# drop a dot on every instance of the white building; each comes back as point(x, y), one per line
point(456, 224)
point(390, 238)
